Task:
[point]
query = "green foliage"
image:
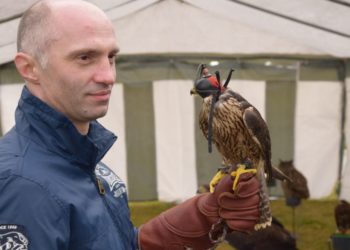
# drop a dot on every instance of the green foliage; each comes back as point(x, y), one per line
point(314, 220)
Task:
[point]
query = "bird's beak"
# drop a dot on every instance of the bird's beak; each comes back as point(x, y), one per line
point(193, 91)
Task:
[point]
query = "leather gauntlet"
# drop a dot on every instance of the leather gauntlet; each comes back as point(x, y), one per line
point(201, 222)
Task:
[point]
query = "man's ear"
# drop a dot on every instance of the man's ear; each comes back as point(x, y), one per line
point(27, 67)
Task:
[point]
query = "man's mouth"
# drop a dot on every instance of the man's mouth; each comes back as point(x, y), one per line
point(102, 95)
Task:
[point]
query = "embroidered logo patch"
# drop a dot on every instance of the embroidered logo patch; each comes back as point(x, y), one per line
point(116, 185)
point(13, 237)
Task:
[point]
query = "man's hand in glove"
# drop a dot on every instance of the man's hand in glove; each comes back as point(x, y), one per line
point(202, 221)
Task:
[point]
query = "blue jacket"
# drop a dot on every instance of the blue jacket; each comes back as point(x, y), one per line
point(54, 191)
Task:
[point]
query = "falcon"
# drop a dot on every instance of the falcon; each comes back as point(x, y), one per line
point(237, 130)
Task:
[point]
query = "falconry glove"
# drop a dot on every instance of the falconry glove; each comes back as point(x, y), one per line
point(201, 222)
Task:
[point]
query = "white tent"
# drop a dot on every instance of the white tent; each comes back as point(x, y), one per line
point(303, 27)
point(291, 60)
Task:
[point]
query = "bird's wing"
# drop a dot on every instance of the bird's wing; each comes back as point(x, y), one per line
point(260, 134)
point(299, 185)
point(278, 174)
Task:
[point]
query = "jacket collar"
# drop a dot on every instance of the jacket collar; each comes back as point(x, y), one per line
point(46, 126)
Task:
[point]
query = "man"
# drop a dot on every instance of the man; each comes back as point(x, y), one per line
point(54, 191)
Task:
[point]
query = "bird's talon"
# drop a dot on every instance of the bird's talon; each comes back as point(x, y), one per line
point(241, 169)
point(215, 180)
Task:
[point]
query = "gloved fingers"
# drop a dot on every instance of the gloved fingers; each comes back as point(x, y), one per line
point(245, 180)
point(231, 201)
point(247, 187)
point(224, 185)
point(243, 221)
point(251, 214)
point(208, 205)
point(240, 174)
point(246, 176)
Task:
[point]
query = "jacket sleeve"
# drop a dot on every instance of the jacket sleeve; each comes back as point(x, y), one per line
point(30, 216)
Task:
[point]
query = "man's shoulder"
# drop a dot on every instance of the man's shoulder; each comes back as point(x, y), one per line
point(19, 177)
point(12, 143)
point(11, 149)
point(26, 200)
point(20, 157)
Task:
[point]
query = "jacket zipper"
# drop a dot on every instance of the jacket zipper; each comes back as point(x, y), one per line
point(100, 186)
point(102, 192)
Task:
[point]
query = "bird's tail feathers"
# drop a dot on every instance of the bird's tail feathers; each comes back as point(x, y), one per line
point(265, 217)
point(269, 171)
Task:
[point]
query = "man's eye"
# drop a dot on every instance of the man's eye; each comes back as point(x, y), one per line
point(112, 57)
point(83, 57)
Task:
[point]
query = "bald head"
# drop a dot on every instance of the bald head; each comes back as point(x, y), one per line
point(39, 26)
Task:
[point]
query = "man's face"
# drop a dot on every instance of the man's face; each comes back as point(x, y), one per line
point(79, 76)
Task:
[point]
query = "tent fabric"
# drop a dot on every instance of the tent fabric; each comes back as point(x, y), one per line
point(12, 9)
point(253, 91)
point(205, 26)
point(191, 30)
point(175, 140)
point(115, 122)
point(334, 16)
point(140, 137)
point(317, 139)
point(299, 33)
point(9, 95)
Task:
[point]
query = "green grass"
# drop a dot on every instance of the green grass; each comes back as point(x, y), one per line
point(141, 212)
point(314, 220)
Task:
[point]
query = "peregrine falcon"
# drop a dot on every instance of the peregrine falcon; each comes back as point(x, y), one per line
point(237, 129)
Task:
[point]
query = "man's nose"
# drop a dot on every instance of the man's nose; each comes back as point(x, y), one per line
point(105, 73)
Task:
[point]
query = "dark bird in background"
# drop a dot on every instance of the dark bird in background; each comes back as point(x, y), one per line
point(295, 190)
point(237, 129)
point(275, 237)
point(342, 216)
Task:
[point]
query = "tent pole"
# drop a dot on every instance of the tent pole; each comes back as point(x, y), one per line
point(342, 77)
point(1, 132)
